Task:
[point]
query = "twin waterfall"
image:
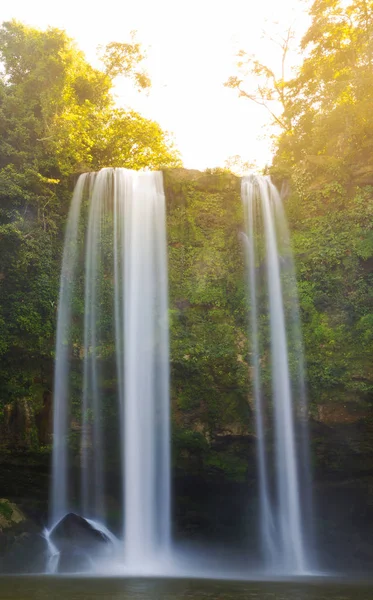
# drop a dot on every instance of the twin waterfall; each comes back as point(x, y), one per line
point(115, 253)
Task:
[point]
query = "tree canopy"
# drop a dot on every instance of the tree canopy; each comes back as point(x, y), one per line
point(325, 109)
point(57, 119)
point(325, 150)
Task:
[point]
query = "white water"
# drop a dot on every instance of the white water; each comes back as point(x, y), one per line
point(268, 532)
point(146, 370)
point(92, 460)
point(127, 207)
point(59, 500)
point(284, 506)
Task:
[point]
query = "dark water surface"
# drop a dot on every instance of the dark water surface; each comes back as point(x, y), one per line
point(58, 588)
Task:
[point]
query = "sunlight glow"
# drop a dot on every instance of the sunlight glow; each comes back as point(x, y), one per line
point(191, 50)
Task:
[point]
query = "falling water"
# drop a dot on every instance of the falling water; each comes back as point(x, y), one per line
point(146, 377)
point(125, 225)
point(93, 492)
point(284, 497)
point(59, 500)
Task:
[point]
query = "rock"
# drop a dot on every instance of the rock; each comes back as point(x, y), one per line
point(75, 532)
point(78, 542)
point(23, 549)
point(27, 553)
point(10, 514)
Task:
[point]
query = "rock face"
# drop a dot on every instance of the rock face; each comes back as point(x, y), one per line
point(78, 542)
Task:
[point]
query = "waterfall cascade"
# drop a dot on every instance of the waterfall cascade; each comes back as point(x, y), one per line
point(116, 224)
point(112, 358)
point(283, 460)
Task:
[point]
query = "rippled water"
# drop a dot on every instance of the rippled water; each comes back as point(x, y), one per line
point(56, 588)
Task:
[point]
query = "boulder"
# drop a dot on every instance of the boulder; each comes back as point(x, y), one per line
point(75, 531)
point(78, 543)
point(26, 553)
point(23, 548)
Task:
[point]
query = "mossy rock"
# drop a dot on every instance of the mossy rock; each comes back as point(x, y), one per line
point(10, 514)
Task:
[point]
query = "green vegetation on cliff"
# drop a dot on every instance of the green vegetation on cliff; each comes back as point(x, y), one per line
point(57, 119)
point(209, 368)
point(324, 156)
point(327, 154)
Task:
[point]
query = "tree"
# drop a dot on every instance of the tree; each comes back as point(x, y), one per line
point(260, 84)
point(57, 119)
point(238, 166)
point(61, 109)
point(124, 59)
point(332, 94)
point(323, 111)
point(129, 140)
point(324, 148)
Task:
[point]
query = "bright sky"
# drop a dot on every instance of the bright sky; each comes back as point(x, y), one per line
point(191, 46)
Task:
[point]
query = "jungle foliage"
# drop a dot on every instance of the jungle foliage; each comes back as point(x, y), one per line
point(210, 384)
point(57, 119)
point(323, 157)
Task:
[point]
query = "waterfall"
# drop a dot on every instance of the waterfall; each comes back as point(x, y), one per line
point(59, 499)
point(112, 360)
point(117, 224)
point(284, 472)
point(146, 371)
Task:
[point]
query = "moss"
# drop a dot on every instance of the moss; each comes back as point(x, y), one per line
point(6, 510)
point(208, 320)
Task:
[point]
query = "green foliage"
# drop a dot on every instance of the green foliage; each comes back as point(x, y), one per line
point(6, 510)
point(324, 151)
point(332, 243)
point(328, 157)
point(57, 119)
point(331, 98)
point(124, 59)
point(133, 142)
point(209, 368)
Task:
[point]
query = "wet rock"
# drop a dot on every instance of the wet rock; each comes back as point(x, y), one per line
point(74, 531)
point(78, 543)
